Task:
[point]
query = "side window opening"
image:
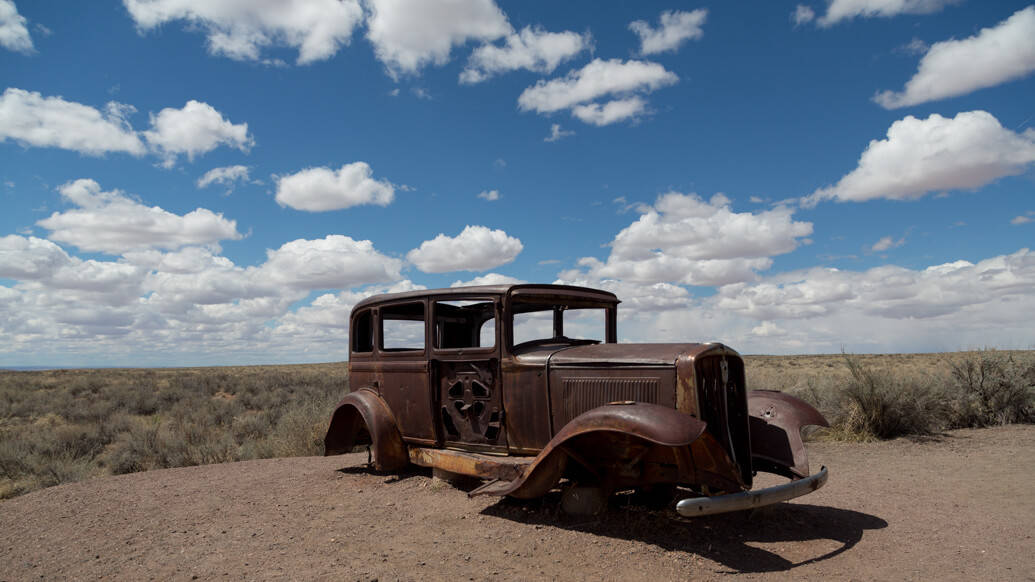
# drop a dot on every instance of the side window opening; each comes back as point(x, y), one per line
point(540, 323)
point(465, 324)
point(363, 332)
point(402, 327)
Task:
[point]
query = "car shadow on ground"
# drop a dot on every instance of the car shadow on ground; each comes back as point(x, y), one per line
point(732, 539)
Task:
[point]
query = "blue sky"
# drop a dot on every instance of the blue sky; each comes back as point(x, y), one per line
point(190, 182)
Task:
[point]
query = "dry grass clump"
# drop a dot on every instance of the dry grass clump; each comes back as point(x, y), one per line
point(65, 425)
point(867, 397)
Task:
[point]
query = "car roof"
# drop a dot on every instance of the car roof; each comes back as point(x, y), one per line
point(530, 288)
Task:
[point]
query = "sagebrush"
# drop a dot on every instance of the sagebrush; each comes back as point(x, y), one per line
point(868, 397)
point(65, 425)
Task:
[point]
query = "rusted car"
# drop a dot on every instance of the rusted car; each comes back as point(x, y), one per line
point(526, 387)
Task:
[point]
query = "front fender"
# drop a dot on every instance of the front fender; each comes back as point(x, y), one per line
point(775, 423)
point(657, 425)
point(363, 418)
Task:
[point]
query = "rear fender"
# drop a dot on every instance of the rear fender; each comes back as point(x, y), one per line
point(363, 418)
point(776, 420)
point(657, 425)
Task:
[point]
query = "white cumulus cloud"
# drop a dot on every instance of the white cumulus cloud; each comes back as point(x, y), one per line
point(321, 189)
point(197, 128)
point(887, 291)
point(225, 176)
point(488, 279)
point(14, 35)
point(30, 258)
point(610, 112)
point(242, 29)
point(935, 154)
point(477, 248)
point(598, 79)
point(674, 28)
point(957, 67)
point(839, 10)
point(409, 34)
point(111, 222)
point(33, 120)
point(490, 195)
point(532, 49)
point(333, 262)
point(684, 239)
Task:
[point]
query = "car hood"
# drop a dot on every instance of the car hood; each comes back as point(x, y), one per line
point(632, 354)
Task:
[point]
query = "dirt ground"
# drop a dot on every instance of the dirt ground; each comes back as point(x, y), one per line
point(956, 507)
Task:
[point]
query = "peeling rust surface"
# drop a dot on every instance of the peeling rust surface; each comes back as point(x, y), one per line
point(776, 421)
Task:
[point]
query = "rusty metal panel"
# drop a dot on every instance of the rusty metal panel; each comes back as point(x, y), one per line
point(575, 390)
point(526, 405)
point(620, 354)
point(406, 389)
point(582, 394)
point(471, 409)
point(776, 421)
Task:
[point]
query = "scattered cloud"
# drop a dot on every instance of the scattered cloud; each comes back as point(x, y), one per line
point(195, 129)
point(333, 262)
point(579, 90)
point(409, 34)
point(557, 133)
point(957, 67)
point(802, 15)
point(1025, 218)
point(887, 291)
point(227, 176)
point(935, 154)
point(150, 303)
point(886, 243)
point(321, 189)
point(610, 112)
point(674, 28)
point(914, 47)
point(33, 120)
point(242, 30)
point(14, 35)
point(488, 279)
point(477, 248)
point(113, 223)
point(840, 10)
point(684, 239)
point(532, 49)
point(490, 195)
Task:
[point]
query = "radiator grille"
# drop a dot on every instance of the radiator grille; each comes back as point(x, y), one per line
point(582, 394)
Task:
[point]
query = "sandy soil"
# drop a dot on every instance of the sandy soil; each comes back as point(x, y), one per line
point(959, 507)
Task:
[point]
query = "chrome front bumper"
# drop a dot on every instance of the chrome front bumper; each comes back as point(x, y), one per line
point(696, 506)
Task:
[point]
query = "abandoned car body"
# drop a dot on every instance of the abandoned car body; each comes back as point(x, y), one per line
point(490, 382)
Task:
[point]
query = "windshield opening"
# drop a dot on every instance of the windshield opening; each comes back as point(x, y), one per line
point(548, 323)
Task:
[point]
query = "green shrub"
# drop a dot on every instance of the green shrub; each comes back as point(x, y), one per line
point(992, 388)
point(884, 403)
